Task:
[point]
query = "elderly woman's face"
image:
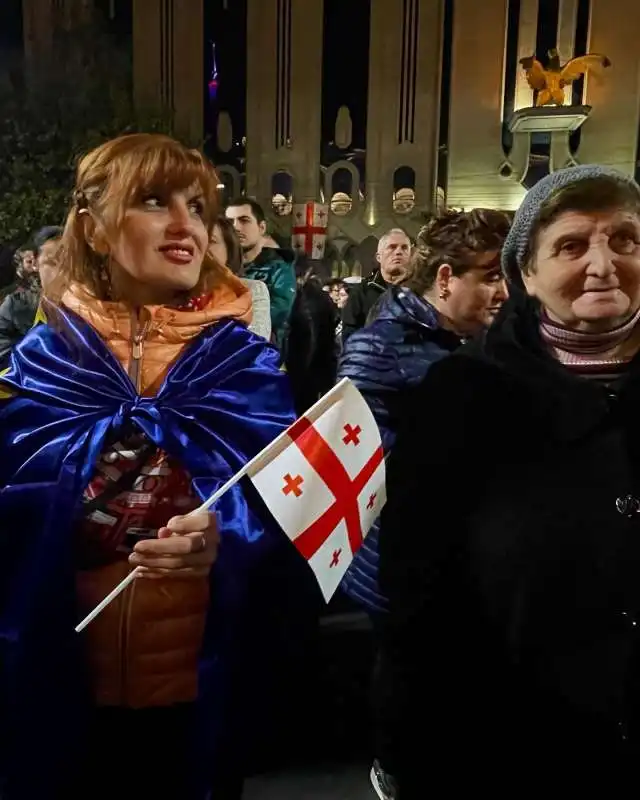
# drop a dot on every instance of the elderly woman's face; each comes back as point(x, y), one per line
point(586, 269)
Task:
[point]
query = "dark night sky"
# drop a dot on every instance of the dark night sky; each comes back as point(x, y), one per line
point(346, 65)
point(345, 54)
point(11, 19)
point(10, 23)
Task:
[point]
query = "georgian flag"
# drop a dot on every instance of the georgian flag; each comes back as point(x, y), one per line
point(324, 481)
point(309, 232)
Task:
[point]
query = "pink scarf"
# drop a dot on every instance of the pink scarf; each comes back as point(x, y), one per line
point(593, 355)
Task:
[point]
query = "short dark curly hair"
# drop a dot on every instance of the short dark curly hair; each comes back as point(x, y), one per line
point(455, 238)
point(254, 205)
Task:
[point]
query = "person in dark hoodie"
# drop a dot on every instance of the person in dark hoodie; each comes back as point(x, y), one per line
point(393, 256)
point(273, 266)
point(311, 353)
point(18, 309)
point(455, 290)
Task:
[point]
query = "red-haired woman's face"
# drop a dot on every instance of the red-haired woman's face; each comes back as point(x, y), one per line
point(160, 247)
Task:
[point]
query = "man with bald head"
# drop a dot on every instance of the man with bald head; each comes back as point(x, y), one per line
point(394, 252)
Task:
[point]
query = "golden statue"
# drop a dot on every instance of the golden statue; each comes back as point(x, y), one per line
point(550, 82)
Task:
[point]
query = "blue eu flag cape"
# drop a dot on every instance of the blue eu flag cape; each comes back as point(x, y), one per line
point(223, 400)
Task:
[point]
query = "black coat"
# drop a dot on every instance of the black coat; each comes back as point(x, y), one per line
point(514, 631)
point(362, 298)
point(310, 351)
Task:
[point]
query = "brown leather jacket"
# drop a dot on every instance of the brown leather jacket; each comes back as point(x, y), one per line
point(143, 649)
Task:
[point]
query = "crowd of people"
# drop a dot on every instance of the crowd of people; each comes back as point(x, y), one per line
point(154, 343)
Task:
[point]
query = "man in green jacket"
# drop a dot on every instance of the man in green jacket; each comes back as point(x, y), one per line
point(273, 266)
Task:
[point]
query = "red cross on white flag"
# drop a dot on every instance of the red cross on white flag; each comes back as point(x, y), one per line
point(324, 481)
point(309, 232)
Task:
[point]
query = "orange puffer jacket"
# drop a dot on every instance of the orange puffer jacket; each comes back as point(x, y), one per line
point(143, 649)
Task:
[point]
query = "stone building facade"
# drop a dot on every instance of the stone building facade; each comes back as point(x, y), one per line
point(448, 117)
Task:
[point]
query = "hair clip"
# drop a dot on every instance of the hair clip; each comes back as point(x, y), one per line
point(80, 199)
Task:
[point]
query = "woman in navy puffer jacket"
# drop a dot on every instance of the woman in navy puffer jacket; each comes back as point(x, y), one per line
point(385, 359)
point(455, 291)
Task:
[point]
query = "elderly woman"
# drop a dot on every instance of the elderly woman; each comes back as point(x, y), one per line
point(514, 587)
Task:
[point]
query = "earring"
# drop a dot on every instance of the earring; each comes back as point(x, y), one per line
point(444, 293)
point(104, 277)
point(80, 199)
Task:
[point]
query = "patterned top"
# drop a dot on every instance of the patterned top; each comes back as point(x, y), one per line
point(156, 490)
point(136, 488)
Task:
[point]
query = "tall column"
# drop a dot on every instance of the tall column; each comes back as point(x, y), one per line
point(405, 55)
point(76, 12)
point(477, 97)
point(284, 95)
point(149, 90)
point(527, 31)
point(38, 23)
point(168, 54)
point(43, 21)
point(188, 69)
point(611, 133)
point(567, 21)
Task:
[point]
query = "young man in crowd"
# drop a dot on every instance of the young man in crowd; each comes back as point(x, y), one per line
point(273, 266)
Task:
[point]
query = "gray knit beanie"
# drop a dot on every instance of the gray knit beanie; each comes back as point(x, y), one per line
point(516, 245)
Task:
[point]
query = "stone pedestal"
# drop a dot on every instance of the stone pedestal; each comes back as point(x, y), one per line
point(558, 121)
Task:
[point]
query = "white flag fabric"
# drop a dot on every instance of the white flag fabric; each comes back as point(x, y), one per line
point(324, 481)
